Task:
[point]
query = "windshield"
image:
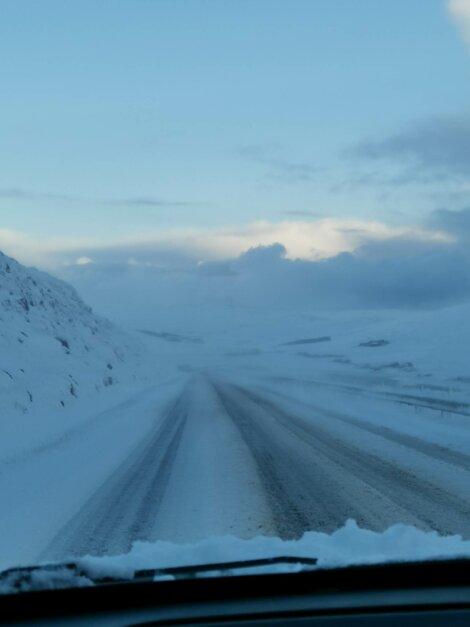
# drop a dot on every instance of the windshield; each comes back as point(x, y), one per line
point(234, 282)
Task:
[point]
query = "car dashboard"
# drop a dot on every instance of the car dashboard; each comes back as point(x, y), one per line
point(414, 594)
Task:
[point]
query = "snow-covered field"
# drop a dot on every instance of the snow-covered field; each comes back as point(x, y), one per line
point(228, 421)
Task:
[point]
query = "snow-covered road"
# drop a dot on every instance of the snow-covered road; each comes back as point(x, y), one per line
point(247, 459)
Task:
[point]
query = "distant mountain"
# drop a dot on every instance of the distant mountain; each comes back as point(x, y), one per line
point(53, 348)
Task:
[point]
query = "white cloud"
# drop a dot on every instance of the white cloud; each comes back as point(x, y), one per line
point(459, 11)
point(26, 249)
point(83, 261)
point(41, 251)
point(307, 240)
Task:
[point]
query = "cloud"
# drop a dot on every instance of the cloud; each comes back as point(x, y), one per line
point(431, 151)
point(302, 214)
point(20, 193)
point(311, 240)
point(459, 11)
point(83, 261)
point(27, 249)
point(149, 201)
point(315, 239)
point(436, 149)
point(277, 167)
point(398, 273)
point(317, 264)
point(455, 222)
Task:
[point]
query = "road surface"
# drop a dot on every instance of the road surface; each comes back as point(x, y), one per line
point(231, 458)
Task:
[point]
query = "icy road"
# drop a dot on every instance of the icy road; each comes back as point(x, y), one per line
point(241, 458)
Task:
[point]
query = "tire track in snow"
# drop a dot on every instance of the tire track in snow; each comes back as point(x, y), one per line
point(296, 482)
point(434, 451)
point(436, 508)
point(379, 493)
point(430, 449)
point(125, 507)
point(311, 477)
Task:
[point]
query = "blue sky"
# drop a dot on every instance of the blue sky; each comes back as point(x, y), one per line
point(160, 118)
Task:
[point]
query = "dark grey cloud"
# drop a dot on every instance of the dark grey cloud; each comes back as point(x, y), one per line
point(400, 273)
point(435, 150)
point(456, 222)
point(403, 272)
point(277, 167)
point(216, 269)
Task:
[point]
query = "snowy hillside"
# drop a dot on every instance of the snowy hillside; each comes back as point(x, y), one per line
point(54, 350)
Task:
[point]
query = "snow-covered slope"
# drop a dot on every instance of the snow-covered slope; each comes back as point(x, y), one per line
point(54, 350)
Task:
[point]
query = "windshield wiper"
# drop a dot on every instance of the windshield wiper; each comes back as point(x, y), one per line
point(226, 567)
point(74, 574)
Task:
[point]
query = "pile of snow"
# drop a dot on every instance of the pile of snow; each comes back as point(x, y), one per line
point(349, 545)
point(53, 349)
